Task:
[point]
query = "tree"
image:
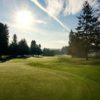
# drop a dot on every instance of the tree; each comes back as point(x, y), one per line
point(23, 47)
point(38, 50)
point(74, 44)
point(86, 28)
point(33, 47)
point(48, 52)
point(13, 48)
point(4, 39)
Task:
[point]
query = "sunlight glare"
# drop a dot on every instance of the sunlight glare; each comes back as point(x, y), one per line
point(24, 18)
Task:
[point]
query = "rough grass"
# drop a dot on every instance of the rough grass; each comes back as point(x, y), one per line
point(50, 78)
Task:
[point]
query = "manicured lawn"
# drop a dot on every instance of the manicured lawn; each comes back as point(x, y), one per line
point(50, 78)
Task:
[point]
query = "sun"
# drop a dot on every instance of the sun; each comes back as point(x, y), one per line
point(23, 18)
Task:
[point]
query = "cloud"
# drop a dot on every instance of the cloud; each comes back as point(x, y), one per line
point(73, 7)
point(55, 7)
point(39, 21)
point(56, 44)
point(50, 14)
point(98, 7)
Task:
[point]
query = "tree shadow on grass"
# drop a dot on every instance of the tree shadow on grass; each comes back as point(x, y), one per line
point(5, 59)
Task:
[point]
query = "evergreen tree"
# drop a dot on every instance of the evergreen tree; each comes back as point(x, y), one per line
point(73, 46)
point(86, 28)
point(4, 39)
point(33, 47)
point(14, 46)
point(23, 47)
point(38, 50)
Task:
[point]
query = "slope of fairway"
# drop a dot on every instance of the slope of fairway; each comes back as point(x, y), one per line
point(50, 78)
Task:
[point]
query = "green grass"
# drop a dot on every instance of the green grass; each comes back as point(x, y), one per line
point(50, 78)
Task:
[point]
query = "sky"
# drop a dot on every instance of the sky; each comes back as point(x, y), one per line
point(46, 21)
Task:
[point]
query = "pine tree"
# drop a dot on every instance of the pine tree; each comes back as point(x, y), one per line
point(14, 46)
point(38, 50)
point(33, 47)
point(86, 28)
point(72, 43)
point(4, 39)
point(23, 47)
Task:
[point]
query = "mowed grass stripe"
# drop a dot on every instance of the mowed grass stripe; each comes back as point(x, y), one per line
point(52, 76)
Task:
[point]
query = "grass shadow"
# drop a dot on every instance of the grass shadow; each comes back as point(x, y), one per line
point(7, 58)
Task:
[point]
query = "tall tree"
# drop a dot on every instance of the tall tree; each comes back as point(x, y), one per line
point(33, 47)
point(4, 39)
point(23, 47)
point(14, 46)
point(86, 28)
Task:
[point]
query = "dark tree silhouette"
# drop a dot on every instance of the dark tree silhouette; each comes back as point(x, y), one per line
point(33, 47)
point(13, 48)
point(38, 50)
point(4, 39)
point(23, 48)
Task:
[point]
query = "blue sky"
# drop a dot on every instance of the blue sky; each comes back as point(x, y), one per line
point(50, 20)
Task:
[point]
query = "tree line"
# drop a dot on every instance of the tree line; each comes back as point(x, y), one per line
point(16, 48)
point(21, 48)
point(53, 52)
point(85, 39)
